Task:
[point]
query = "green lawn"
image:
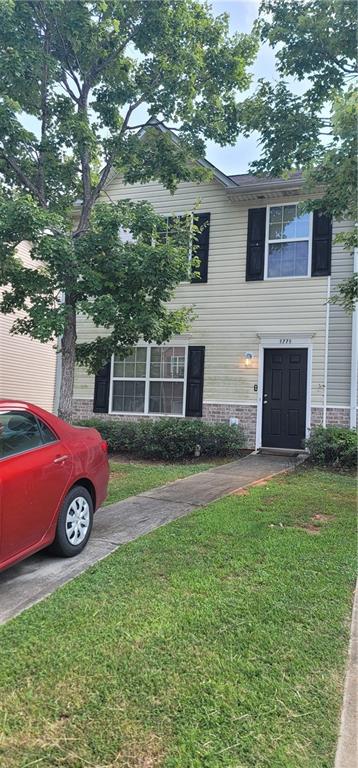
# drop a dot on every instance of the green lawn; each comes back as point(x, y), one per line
point(135, 477)
point(217, 640)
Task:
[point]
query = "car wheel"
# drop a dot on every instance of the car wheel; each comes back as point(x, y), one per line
point(74, 523)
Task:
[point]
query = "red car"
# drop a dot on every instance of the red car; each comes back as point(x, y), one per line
point(52, 479)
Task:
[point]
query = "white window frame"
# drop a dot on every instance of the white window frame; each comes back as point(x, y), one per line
point(147, 381)
point(288, 240)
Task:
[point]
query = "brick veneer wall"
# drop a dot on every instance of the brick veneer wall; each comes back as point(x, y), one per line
point(221, 412)
point(218, 412)
point(335, 417)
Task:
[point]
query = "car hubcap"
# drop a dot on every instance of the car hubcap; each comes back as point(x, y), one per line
point(77, 520)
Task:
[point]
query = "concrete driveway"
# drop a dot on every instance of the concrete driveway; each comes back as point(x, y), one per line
point(38, 576)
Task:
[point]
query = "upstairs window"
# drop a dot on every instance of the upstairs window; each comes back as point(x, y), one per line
point(288, 242)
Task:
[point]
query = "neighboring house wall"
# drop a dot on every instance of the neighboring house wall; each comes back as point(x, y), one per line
point(234, 316)
point(27, 367)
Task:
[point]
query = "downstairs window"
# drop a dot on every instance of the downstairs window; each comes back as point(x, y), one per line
point(150, 381)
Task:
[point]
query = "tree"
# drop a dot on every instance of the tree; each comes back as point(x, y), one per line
point(315, 42)
point(83, 70)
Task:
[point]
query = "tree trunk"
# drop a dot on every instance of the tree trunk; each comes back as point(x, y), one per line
point(68, 350)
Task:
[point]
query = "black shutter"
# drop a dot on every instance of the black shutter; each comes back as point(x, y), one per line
point(321, 244)
point(101, 389)
point(195, 381)
point(202, 220)
point(255, 254)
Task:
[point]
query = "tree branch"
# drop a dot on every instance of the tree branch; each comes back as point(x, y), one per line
point(107, 168)
point(96, 70)
point(22, 177)
point(67, 86)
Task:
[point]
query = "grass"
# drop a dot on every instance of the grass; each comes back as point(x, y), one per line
point(216, 641)
point(135, 477)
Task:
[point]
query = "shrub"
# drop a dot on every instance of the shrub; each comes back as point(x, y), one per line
point(333, 446)
point(168, 438)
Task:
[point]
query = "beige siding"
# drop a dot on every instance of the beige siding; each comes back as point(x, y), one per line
point(231, 312)
point(340, 329)
point(27, 367)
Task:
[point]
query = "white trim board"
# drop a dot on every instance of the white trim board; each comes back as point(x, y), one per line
point(230, 402)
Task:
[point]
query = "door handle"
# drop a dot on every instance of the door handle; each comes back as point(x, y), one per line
point(265, 401)
point(60, 459)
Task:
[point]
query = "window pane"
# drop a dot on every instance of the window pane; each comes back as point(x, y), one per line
point(289, 221)
point(303, 225)
point(133, 366)
point(118, 368)
point(288, 259)
point(166, 397)
point(141, 354)
point(46, 433)
point(19, 431)
point(275, 223)
point(128, 396)
point(274, 261)
point(285, 223)
point(301, 258)
point(293, 224)
point(167, 363)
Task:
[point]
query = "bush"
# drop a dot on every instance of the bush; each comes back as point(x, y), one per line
point(333, 446)
point(168, 439)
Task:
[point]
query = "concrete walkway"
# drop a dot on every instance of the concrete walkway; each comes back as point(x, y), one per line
point(347, 747)
point(38, 576)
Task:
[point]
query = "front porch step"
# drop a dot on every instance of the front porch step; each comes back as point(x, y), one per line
point(292, 453)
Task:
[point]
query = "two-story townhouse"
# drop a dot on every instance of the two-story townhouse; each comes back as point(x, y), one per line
point(266, 347)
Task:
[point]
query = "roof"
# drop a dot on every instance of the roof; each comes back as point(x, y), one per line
point(243, 179)
point(236, 183)
point(244, 183)
point(227, 181)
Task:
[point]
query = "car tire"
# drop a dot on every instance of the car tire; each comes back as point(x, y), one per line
point(74, 523)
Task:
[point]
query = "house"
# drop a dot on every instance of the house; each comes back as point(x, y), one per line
point(266, 347)
point(27, 367)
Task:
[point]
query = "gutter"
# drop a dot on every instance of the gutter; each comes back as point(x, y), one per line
point(324, 421)
point(354, 358)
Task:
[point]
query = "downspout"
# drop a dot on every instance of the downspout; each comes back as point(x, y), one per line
point(58, 374)
point(58, 368)
point(354, 358)
point(324, 421)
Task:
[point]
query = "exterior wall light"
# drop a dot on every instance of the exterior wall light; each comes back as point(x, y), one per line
point(248, 356)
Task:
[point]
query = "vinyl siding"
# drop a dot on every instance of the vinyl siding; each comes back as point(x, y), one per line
point(27, 367)
point(340, 328)
point(230, 312)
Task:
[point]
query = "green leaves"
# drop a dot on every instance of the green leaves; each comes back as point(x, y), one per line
point(124, 285)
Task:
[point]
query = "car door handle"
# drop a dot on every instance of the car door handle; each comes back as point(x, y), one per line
point(60, 459)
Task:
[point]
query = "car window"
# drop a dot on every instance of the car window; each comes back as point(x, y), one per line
point(19, 431)
point(46, 433)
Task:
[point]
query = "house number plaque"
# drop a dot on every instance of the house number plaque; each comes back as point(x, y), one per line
point(285, 341)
